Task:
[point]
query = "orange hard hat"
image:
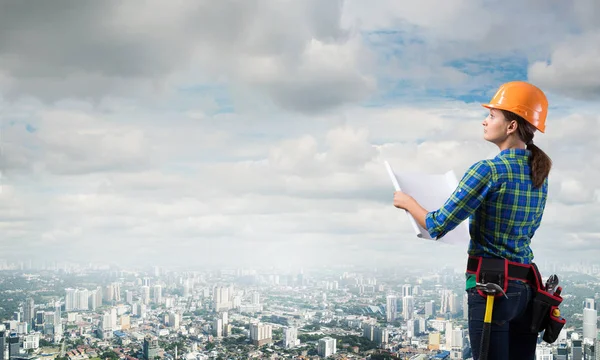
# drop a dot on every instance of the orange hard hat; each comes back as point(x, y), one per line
point(523, 99)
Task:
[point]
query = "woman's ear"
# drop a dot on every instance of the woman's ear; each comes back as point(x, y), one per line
point(512, 127)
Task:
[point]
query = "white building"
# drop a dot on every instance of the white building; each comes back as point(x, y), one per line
point(31, 341)
point(290, 337)
point(408, 307)
point(590, 320)
point(391, 308)
point(543, 352)
point(327, 347)
point(261, 334)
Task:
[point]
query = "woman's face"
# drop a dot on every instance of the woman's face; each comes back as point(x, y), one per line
point(495, 127)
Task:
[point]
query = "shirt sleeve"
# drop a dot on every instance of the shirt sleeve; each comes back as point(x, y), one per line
point(466, 198)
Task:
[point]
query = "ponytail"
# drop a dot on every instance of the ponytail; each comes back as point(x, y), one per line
point(539, 163)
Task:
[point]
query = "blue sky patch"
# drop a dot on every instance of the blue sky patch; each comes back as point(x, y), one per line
point(30, 128)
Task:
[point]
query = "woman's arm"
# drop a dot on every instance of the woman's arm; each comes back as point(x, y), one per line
point(464, 201)
point(408, 203)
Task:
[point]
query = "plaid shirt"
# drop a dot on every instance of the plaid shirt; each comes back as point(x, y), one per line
point(504, 208)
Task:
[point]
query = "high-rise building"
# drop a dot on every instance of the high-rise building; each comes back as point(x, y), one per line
point(70, 299)
point(429, 309)
point(129, 297)
point(218, 328)
point(562, 353)
point(411, 328)
point(290, 337)
point(446, 298)
point(407, 290)
point(174, 320)
point(448, 334)
point(2, 344)
point(76, 299)
point(150, 348)
point(145, 295)
point(28, 311)
point(31, 341)
point(261, 334)
point(391, 308)
point(408, 307)
point(14, 346)
point(576, 347)
point(368, 331)
point(590, 320)
point(381, 336)
point(116, 291)
point(223, 297)
point(326, 346)
point(157, 294)
point(457, 351)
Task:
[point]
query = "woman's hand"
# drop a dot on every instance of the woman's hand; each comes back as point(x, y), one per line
point(408, 203)
point(402, 200)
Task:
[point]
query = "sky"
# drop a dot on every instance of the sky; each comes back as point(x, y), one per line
point(253, 133)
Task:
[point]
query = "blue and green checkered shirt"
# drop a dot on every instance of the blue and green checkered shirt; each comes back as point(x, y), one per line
point(504, 208)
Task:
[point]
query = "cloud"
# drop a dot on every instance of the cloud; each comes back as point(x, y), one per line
point(296, 53)
point(570, 68)
point(255, 132)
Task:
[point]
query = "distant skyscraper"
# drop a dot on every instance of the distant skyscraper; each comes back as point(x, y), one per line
point(157, 294)
point(407, 290)
point(562, 353)
point(261, 334)
point(408, 307)
point(129, 297)
point(326, 347)
point(429, 309)
point(218, 328)
point(445, 301)
point(150, 348)
point(70, 299)
point(223, 297)
point(576, 349)
point(145, 294)
point(590, 320)
point(290, 337)
point(381, 336)
point(391, 308)
point(28, 313)
point(2, 344)
point(76, 299)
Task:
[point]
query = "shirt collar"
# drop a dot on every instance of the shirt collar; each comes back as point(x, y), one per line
point(514, 153)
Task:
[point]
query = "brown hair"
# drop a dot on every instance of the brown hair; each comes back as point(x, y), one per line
point(539, 163)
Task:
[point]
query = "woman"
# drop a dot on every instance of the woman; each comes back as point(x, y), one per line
point(504, 198)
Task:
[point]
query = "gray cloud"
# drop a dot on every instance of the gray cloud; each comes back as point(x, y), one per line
point(92, 50)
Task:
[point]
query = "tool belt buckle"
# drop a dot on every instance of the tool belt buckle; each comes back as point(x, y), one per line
point(494, 271)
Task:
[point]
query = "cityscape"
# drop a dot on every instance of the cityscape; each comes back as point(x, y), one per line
point(67, 311)
point(206, 179)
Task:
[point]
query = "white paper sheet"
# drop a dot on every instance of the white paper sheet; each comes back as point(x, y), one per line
point(431, 191)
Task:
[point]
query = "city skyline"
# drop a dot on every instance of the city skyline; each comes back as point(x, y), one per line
point(248, 311)
point(255, 132)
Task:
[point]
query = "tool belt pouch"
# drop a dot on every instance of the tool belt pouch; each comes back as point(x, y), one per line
point(554, 326)
point(544, 303)
point(495, 271)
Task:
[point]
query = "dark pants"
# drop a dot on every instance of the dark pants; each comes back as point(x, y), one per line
point(510, 337)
